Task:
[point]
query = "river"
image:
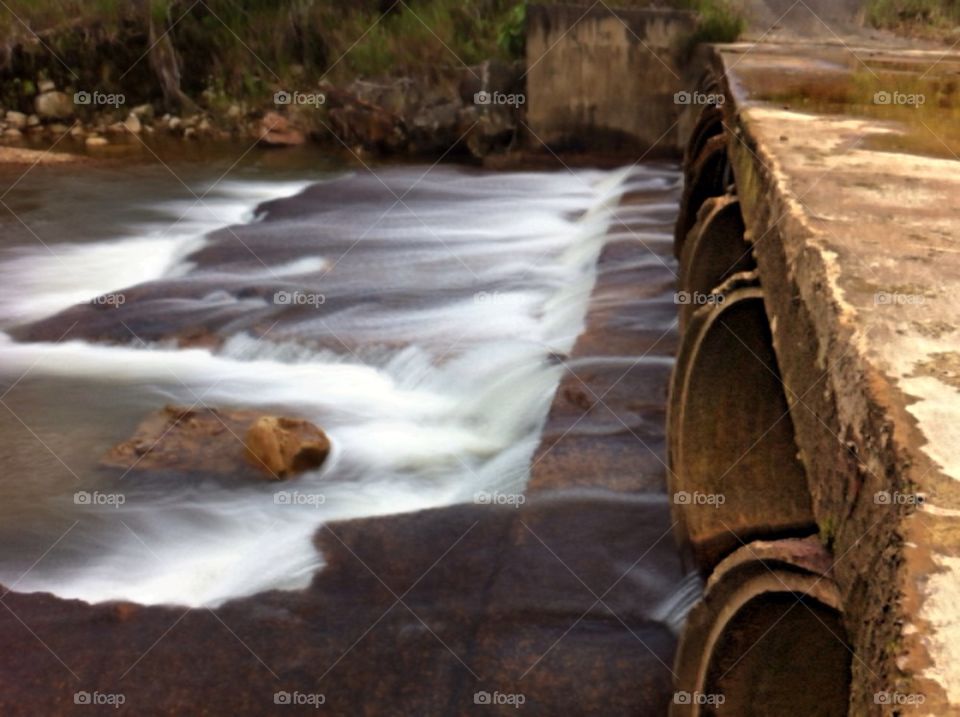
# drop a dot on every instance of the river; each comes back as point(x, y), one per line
point(445, 292)
point(435, 310)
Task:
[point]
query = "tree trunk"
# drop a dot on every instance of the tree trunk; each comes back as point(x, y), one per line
point(165, 62)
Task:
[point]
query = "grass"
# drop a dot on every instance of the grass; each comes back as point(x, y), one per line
point(719, 22)
point(246, 49)
point(931, 18)
point(249, 47)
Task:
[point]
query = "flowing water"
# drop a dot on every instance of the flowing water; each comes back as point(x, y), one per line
point(431, 307)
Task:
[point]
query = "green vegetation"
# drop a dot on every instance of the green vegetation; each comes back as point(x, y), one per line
point(920, 101)
point(937, 18)
point(244, 47)
point(720, 21)
point(230, 50)
point(828, 532)
point(511, 38)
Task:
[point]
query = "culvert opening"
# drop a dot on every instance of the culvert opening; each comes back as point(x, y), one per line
point(707, 177)
point(709, 124)
point(735, 474)
point(781, 654)
point(714, 250)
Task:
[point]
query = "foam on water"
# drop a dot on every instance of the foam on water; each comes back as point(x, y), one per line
point(41, 280)
point(446, 396)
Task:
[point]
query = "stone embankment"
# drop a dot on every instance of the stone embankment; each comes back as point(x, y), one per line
point(477, 115)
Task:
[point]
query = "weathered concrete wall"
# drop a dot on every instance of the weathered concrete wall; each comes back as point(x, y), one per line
point(845, 183)
point(599, 78)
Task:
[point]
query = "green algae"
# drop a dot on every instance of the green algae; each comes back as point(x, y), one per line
point(920, 100)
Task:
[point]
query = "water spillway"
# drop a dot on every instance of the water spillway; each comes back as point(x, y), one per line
point(459, 524)
point(427, 363)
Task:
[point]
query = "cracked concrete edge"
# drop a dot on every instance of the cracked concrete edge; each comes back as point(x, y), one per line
point(896, 569)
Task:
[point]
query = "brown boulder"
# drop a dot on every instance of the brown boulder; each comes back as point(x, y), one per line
point(275, 130)
point(234, 444)
point(282, 446)
point(358, 119)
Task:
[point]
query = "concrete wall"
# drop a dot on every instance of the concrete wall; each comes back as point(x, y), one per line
point(605, 79)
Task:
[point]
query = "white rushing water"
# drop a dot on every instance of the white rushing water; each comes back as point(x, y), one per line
point(429, 401)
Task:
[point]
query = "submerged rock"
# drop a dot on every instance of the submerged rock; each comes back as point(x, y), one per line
point(233, 443)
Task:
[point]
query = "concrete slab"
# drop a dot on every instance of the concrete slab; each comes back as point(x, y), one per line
point(846, 161)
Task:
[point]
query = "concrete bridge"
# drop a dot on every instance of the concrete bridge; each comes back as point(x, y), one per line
point(815, 386)
point(814, 414)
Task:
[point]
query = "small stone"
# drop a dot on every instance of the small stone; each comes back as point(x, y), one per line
point(132, 124)
point(96, 141)
point(54, 105)
point(13, 133)
point(16, 120)
point(189, 133)
point(46, 86)
point(58, 128)
point(144, 111)
point(174, 123)
point(234, 111)
point(275, 130)
point(33, 121)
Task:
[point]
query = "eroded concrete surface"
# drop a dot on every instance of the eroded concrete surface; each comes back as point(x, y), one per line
point(852, 200)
